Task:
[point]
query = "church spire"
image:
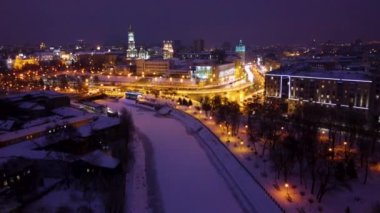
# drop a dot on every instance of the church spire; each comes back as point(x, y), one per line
point(131, 51)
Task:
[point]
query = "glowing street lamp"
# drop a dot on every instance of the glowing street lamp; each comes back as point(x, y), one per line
point(228, 137)
point(287, 189)
point(345, 148)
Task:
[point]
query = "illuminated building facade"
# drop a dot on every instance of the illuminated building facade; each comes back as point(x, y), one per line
point(167, 49)
point(143, 54)
point(152, 67)
point(240, 50)
point(335, 88)
point(131, 51)
point(203, 72)
point(215, 73)
point(21, 61)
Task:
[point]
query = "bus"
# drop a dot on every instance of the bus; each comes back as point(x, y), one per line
point(133, 95)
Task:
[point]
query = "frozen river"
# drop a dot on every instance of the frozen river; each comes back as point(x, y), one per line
point(187, 179)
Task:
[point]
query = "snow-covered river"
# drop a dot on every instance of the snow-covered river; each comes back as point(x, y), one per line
point(186, 178)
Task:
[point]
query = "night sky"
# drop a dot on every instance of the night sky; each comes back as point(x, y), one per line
point(258, 22)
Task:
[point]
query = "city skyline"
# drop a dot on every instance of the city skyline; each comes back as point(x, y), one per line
point(257, 23)
point(192, 106)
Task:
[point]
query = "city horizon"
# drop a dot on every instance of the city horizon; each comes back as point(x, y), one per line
point(195, 106)
point(257, 23)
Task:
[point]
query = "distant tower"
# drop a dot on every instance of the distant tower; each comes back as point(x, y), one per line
point(42, 46)
point(167, 49)
point(132, 51)
point(80, 44)
point(240, 50)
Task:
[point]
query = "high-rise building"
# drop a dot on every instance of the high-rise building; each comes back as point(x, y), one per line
point(198, 45)
point(131, 51)
point(167, 49)
point(177, 46)
point(240, 50)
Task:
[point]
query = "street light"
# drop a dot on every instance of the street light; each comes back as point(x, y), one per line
point(228, 137)
point(287, 189)
point(345, 148)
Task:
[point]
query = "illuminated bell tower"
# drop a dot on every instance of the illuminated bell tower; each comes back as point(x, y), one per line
point(240, 50)
point(167, 49)
point(132, 51)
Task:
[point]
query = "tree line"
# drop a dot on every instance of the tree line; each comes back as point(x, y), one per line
point(325, 146)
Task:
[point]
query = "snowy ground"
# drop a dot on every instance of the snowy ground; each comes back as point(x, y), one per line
point(360, 199)
point(137, 192)
point(187, 179)
point(67, 200)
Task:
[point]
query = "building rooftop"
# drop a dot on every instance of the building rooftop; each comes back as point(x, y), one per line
point(68, 112)
point(100, 159)
point(341, 75)
point(100, 123)
point(40, 121)
point(35, 94)
point(30, 106)
point(22, 133)
point(6, 124)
